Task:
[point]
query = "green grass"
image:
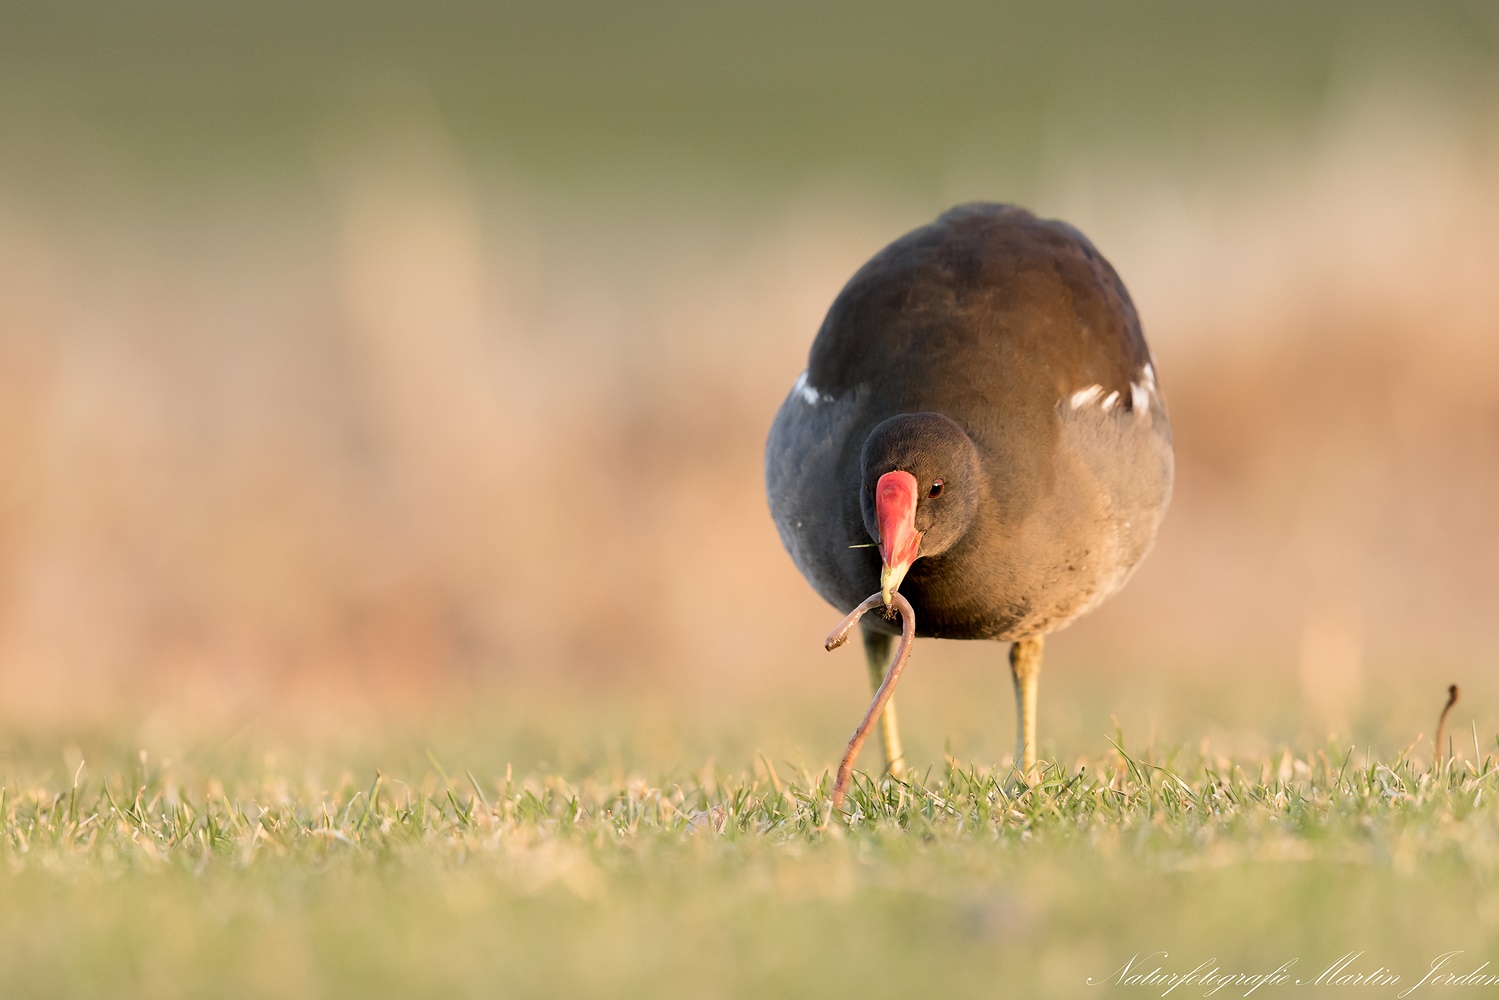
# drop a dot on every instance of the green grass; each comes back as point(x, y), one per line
point(266, 877)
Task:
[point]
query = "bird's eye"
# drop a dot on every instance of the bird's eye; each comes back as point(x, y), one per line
point(936, 490)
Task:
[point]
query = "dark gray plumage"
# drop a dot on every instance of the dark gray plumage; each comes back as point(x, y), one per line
point(999, 353)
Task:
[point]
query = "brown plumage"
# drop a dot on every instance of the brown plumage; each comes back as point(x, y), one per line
point(1000, 354)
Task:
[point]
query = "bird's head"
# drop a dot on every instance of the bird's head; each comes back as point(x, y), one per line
point(921, 489)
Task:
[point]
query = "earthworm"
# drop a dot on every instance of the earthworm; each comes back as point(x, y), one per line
point(835, 639)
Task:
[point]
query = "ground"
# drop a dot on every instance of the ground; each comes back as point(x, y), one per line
point(242, 871)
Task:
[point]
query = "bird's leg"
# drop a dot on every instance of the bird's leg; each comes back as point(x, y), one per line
point(1025, 664)
point(877, 647)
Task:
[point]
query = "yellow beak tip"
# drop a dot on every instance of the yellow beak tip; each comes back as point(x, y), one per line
point(889, 583)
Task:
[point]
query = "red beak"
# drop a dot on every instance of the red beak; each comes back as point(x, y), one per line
point(900, 542)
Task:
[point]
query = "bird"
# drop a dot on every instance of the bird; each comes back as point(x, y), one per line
point(979, 429)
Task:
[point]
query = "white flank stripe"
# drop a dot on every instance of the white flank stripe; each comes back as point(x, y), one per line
point(1085, 396)
point(807, 392)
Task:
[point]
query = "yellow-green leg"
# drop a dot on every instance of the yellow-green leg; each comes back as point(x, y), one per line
point(1025, 664)
point(877, 653)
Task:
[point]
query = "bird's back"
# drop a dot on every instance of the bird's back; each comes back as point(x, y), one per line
point(1019, 330)
point(987, 303)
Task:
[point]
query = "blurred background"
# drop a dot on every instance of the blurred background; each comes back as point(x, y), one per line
point(367, 362)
